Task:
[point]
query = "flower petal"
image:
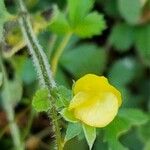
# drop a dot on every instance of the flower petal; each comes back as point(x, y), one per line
point(97, 84)
point(78, 100)
point(99, 113)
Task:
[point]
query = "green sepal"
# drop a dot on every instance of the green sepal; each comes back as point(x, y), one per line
point(90, 134)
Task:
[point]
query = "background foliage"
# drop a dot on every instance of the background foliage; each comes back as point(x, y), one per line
point(121, 53)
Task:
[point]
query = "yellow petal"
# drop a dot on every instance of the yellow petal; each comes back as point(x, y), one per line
point(99, 113)
point(78, 100)
point(97, 84)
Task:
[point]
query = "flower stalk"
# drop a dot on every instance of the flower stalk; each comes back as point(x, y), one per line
point(42, 66)
point(59, 52)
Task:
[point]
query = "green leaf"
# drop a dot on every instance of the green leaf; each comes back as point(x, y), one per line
point(92, 24)
point(4, 17)
point(72, 131)
point(78, 10)
point(116, 128)
point(27, 70)
point(121, 124)
point(64, 96)
point(130, 10)
point(12, 91)
point(59, 23)
point(142, 43)
point(134, 116)
point(68, 116)
point(90, 134)
point(122, 37)
point(41, 100)
point(123, 71)
point(86, 58)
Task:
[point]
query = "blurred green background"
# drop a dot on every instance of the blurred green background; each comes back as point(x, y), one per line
point(121, 53)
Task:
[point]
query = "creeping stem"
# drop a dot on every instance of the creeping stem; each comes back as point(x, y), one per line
point(41, 64)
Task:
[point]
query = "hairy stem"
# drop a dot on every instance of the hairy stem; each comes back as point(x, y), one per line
point(14, 129)
point(59, 52)
point(41, 64)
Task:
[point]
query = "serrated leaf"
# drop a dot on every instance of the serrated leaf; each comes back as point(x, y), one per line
point(78, 10)
point(80, 58)
point(72, 131)
point(92, 24)
point(130, 10)
point(90, 134)
point(41, 100)
point(122, 37)
point(59, 23)
point(142, 43)
point(68, 116)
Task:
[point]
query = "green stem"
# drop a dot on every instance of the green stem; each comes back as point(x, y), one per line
point(14, 129)
point(42, 66)
point(51, 45)
point(59, 52)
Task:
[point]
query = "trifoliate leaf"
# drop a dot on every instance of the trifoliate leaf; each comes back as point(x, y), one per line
point(80, 57)
point(90, 134)
point(130, 10)
point(73, 130)
point(78, 10)
point(59, 23)
point(122, 37)
point(68, 116)
point(92, 24)
point(142, 43)
point(4, 16)
point(41, 101)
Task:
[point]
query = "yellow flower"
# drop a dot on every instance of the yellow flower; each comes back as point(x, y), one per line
point(96, 102)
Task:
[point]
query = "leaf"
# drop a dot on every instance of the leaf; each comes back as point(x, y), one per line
point(4, 16)
point(142, 42)
point(116, 128)
point(134, 116)
point(41, 101)
point(59, 23)
point(12, 91)
point(121, 124)
point(64, 96)
point(27, 71)
point(122, 37)
point(123, 71)
point(92, 24)
point(78, 10)
point(72, 131)
point(68, 116)
point(90, 134)
point(130, 10)
point(85, 59)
